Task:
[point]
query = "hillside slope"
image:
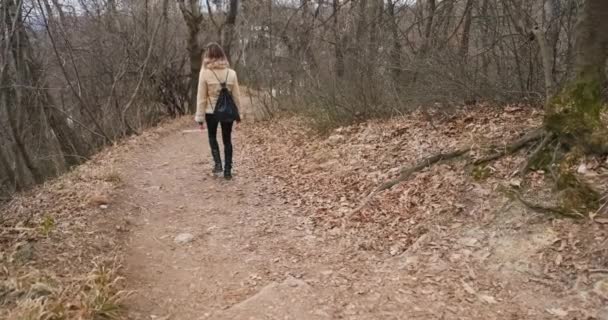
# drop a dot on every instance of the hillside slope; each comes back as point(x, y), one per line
point(282, 239)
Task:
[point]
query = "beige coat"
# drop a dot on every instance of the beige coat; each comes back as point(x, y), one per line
point(209, 88)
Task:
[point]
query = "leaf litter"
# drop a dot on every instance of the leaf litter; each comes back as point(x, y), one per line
point(455, 241)
point(478, 231)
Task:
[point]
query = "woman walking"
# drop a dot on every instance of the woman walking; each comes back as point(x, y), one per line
point(216, 74)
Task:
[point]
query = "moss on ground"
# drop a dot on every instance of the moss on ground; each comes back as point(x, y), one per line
point(574, 115)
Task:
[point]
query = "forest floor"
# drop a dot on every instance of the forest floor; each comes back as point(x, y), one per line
point(282, 240)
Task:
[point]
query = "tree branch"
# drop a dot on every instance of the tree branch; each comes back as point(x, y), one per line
point(406, 172)
point(512, 147)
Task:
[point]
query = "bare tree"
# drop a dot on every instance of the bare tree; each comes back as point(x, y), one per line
point(339, 39)
point(574, 115)
point(229, 27)
point(85, 79)
point(113, 70)
point(193, 16)
point(466, 30)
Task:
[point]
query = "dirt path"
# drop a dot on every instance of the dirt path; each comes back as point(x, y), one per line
point(254, 256)
point(243, 237)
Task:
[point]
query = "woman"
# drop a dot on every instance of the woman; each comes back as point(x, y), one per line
point(215, 71)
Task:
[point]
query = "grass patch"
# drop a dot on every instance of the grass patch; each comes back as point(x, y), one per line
point(38, 297)
point(112, 176)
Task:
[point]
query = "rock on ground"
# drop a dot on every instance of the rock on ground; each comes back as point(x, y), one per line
point(292, 299)
point(184, 238)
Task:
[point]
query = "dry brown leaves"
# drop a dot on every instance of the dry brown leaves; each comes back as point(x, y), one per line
point(329, 176)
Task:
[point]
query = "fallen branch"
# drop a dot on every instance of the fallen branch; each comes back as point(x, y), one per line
point(534, 155)
point(406, 172)
point(512, 147)
point(19, 229)
point(559, 211)
point(598, 271)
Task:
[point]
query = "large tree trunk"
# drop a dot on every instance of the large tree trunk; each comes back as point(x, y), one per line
point(553, 8)
point(28, 114)
point(193, 17)
point(376, 10)
point(305, 37)
point(8, 182)
point(575, 115)
point(428, 27)
point(339, 40)
point(463, 52)
point(422, 53)
point(361, 21)
point(396, 47)
point(485, 40)
point(229, 26)
point(21, 105)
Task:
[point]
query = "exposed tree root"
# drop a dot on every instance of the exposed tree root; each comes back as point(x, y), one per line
point(558, 211)
point(534, 155)
point(545, 142)
point(512, 147)
point(406, 172)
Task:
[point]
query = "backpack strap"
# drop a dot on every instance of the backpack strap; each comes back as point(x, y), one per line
point(223, 84)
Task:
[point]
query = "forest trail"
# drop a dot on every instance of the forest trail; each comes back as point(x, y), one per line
point(253, 255)
point(243, 239)
point(95, 203)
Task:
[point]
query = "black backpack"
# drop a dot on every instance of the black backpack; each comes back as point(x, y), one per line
point(225, 108)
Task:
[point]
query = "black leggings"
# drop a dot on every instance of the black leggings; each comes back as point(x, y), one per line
point(212, 125)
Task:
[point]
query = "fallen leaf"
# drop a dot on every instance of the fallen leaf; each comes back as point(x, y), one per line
point(559, 259)
point(487, 299)
point(99, 200)
point(601, 220)
point(582, 169)
point(468, 288)
point(558, 312)
point(515, 183)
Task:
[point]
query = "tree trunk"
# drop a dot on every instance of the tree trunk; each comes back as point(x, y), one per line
point(193, 17)
point(466, 31)
point(426, 38)
point(21, 105)
point(546, 55)
point(71, 144)
point(554, 18)
point(396, 47)
point(575, 115)
point(428, 28)
point(196, 62)
point(305, 38)
point(229, 26)
point(338, 41)
point(377, 10)
point(362, 21)
point(547, 42)
point(8, 182)
point(485, 40)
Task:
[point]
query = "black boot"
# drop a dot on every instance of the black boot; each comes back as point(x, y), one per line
point(228, 172)
point(217, 168)
point(227, 139)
